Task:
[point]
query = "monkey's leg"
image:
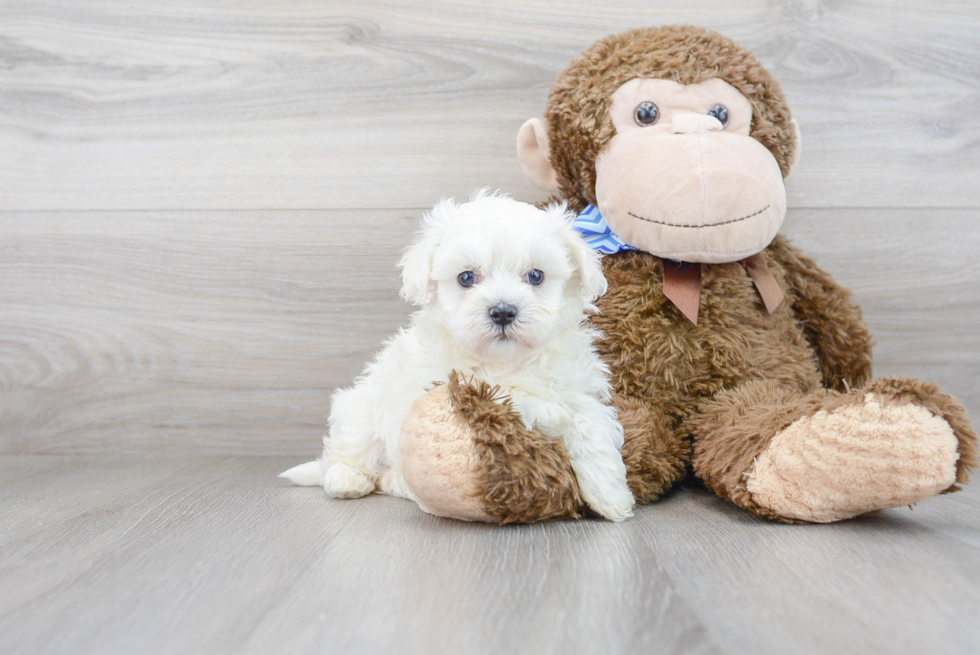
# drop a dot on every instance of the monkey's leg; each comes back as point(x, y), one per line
point(467, 455)
point(655, 453)
point(828, 456)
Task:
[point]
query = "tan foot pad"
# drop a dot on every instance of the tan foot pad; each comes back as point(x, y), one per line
point(440, 460)
point(855, 459)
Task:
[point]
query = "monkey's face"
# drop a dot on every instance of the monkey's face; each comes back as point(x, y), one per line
point(682, 178)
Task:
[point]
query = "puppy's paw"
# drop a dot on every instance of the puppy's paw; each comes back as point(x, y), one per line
point(548, 417)
point(343, 481)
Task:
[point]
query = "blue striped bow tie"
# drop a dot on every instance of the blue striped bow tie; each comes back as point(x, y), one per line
point(597, 233)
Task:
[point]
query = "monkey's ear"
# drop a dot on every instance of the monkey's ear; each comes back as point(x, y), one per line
point(797, 146)
point(535, 155)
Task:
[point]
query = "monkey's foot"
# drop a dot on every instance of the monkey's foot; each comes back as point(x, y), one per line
point(874, 451)
point(467, 455)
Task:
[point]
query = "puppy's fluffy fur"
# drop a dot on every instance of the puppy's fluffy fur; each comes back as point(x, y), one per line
point(544, 359)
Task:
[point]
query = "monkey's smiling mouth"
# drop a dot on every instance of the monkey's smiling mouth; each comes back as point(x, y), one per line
point(734, 220)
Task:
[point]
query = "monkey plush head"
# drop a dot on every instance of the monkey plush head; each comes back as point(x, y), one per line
point(677, 135)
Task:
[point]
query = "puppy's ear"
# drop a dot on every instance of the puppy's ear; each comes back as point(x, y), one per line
point(416, 263)
point(587, 262)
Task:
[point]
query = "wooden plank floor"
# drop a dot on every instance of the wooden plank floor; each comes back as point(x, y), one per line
point(215, 555)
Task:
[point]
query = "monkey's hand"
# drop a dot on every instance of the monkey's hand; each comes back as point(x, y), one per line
point(466, 454)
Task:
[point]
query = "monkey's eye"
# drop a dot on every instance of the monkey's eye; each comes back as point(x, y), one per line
point(467, 278)
point(534, 277)
point(646, 114)
point(721, 113)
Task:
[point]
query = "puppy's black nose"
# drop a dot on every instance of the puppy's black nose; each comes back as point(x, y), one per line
point(503, 314)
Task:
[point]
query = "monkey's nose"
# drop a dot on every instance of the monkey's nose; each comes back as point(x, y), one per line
point(503, 314)
point(694, 124)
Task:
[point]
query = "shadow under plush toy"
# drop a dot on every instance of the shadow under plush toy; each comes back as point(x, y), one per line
point(731, 353)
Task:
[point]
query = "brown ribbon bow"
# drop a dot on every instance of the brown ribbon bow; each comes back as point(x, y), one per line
point(682, 285)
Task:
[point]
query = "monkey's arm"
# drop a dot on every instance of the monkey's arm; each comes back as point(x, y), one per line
point(831, 319)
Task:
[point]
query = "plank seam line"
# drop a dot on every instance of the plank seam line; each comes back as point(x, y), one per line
point(144, 210)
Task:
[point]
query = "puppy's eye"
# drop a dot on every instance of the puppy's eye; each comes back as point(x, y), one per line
point(721, 113)
point(534, 277)
point(467, 278)
point(646, 114)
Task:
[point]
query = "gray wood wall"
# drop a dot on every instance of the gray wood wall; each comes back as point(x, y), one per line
point(201, 202)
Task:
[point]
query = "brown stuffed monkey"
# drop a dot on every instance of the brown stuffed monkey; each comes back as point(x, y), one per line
point(733, 356)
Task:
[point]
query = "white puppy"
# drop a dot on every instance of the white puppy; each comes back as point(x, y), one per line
point(503, 288)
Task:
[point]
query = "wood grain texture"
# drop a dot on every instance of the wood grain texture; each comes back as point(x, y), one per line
point(219, 331)
point(368, 104)
point(214, 555)
point(201, 206)
point(916, 275)
point(224, 332)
